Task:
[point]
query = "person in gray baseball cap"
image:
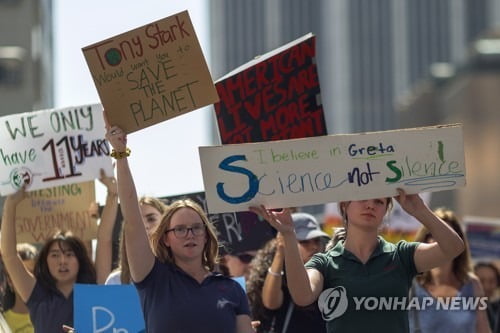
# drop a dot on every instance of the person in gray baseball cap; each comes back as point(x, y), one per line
point(279, 313)
point(309, 234)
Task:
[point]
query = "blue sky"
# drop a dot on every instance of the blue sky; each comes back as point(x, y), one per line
point(164, 157)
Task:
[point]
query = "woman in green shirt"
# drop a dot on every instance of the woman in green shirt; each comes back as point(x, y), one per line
point(362, 283)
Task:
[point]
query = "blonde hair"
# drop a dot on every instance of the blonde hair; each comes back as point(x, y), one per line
point(164, 253)
point(123, 266)
point(155, 203)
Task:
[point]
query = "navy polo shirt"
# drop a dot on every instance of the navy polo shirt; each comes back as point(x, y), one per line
point(174, 302)
point(368, 288)
point(49, 310)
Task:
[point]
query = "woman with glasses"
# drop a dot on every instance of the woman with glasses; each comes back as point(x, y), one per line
point(174, 276)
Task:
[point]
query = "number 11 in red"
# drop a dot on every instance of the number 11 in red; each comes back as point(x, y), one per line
point(64, 143)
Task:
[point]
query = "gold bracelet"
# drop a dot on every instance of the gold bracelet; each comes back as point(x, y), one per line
point(273, 273)
point(120, 154)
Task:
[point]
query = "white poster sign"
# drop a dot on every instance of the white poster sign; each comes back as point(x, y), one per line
point(332, 168)
point(54, 147)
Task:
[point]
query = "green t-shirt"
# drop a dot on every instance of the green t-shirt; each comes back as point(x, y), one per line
point(369, 297)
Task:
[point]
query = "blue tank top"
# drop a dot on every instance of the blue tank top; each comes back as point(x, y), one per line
point(458, 316)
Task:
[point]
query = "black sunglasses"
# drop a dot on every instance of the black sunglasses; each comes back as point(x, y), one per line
point(245, 257)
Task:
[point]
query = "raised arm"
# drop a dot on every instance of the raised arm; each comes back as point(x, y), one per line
point(104, 247)
point(448, 244)
point(139, 253)
point(23, 280)
point(272, 295)
point(304, 286)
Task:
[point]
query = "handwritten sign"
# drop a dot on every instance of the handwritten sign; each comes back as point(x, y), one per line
point(275, 96)
point(64, 207)
point(332, 168)
point(113, 308)
point(237, 232)
point(151, 74)
point(54, 147)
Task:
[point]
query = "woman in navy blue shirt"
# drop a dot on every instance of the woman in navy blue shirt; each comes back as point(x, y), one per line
point(174, 273)
point(62, 262)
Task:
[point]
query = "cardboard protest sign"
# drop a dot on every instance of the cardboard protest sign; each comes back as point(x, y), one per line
point(151, 74)
point(48, 148)
point(237, 232)
point(483, 234)
point(114, 308)
point(273, 97)
point(64, 207)
point(332, 168)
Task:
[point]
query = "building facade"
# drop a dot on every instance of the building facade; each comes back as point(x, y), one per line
point(26, 56)
point(371, 53)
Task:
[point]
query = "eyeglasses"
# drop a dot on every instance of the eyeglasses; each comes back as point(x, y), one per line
point(181, 231)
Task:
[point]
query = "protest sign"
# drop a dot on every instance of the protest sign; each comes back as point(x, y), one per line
point(332, 168)
point(483, 234)
point(114, 308)
point(48, 148)
point(151, 74)
point(237, 232)
point(276, 96)
point(64, 207)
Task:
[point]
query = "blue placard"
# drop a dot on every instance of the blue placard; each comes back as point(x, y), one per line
point(242, 282)
point(101, 309)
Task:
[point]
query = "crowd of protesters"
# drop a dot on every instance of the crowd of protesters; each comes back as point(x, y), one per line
point(170, 253)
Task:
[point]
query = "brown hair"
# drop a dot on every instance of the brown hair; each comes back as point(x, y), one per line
point(164, 253)
point(260, 264)
point(491, 266)
point(124, 268)
point(461, 265)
